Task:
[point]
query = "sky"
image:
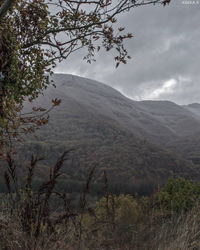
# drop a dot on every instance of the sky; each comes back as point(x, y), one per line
point(165, 55)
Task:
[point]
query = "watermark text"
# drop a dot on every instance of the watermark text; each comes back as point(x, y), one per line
point(190, 2)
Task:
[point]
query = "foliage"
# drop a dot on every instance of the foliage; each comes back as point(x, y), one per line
point(35, 35)
point(177, 195)
point(125, 208)
point(113, 222)
point(132, 165)
point(114, 219)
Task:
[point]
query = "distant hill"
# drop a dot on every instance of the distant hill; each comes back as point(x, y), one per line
point(159, 121)
point(113, 133)
point(188, 146)
point(194, 108)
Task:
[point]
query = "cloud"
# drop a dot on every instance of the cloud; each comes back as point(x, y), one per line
point(167, 87)
point(165, 46)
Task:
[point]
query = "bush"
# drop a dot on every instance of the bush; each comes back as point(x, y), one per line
point(177, 195)
point(114, 220)
point(124, 209)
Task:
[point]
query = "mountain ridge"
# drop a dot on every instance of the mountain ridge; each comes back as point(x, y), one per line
point(112, 132)
point(135, 114)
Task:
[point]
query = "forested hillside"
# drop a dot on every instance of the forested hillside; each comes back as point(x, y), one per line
point(113, 133)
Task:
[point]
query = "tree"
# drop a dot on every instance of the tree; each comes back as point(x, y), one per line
point(177, 195)
point(36, 35)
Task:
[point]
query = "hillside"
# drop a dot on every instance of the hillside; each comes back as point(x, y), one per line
point(158, 121)
point(194, 108)
point(111, 132)
point(186, 146)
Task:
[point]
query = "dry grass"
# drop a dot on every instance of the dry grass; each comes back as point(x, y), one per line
point(182, 232)
point(12, 237)
point(179, 232)
point(28, 220)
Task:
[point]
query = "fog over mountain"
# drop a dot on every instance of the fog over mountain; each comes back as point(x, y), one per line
point(144, 141)
point(158, 121)
point(194, 108)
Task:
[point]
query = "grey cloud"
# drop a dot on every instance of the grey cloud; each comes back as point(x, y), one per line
point(165, 46)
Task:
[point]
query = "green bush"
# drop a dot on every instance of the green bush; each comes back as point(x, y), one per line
point(114, 217)
point(177, 195)
point(124, 209)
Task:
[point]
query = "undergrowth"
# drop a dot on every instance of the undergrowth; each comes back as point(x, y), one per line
point(44, 218)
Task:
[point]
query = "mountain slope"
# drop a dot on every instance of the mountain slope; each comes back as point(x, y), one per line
point(107, 130)
point(188, 146)
point(194, 108)
point(158, 121)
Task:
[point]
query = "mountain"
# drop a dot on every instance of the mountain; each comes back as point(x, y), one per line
point(188, 146)
point(162, 122)
point(113, 133)
point(194, 108)
point(158, 121)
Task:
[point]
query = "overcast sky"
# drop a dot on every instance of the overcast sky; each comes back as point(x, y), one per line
point(165, 53)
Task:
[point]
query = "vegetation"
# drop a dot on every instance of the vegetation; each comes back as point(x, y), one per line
point(41, 216)
point(37, 220)
point(132, 165)
point(35, 35)
point(178, 195)
point(188, 148)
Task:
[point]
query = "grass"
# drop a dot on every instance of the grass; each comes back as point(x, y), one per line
point(45, 220)
point(153, 231)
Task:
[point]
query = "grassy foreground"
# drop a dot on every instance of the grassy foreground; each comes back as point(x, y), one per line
point(169, 219)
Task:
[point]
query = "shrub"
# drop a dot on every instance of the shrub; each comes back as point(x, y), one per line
point(177, 195)
point(114, 221)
